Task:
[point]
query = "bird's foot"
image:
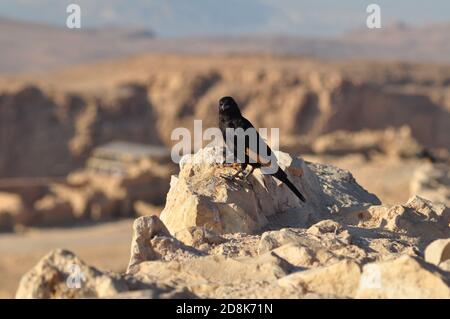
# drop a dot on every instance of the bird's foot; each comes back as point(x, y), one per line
point(247, 175)
point(238, 179)
point(232, 177)
point(226, 176)
point(235, 166)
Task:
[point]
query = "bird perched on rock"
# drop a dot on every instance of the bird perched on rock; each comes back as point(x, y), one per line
point(247, 146)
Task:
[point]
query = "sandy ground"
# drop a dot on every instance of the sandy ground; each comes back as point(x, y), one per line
point(106, 246)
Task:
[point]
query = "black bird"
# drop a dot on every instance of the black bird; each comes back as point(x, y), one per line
point(256, 154)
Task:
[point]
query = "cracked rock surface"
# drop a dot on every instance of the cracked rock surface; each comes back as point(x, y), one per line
point(219, 240)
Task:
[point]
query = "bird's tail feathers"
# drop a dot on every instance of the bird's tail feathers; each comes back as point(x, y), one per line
point(281, 175)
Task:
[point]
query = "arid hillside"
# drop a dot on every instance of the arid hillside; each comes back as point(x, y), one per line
point(50, 122)
point(33, 47)
point(383, 122)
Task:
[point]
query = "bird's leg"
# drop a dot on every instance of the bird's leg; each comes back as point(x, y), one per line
point(240, 167)
point(240, 170)
point(249, 173)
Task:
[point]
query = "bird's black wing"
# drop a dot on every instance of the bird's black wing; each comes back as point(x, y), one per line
point(262, 154)
point(256, 150)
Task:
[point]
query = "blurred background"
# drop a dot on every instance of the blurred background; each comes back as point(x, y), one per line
point(86, 114)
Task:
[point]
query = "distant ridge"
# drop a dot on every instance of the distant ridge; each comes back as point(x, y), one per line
point(33, 47)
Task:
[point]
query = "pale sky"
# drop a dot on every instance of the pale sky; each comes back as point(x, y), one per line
point(209, 17)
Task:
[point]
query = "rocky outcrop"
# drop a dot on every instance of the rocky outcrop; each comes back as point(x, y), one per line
point(89, 195)
point(61, 274)
point(152, 241)
point(418, 218)
point(391, 142)
point(438, 253)
point(65, 115)
point(339, 279)
point(52, 210)
point(199, 196)
point(198, 237)
point(322, 261)
point(329, 259)
point(12, 208)
point(403, 277)
point(203, 246)
point(65, 127)
point(432, 181)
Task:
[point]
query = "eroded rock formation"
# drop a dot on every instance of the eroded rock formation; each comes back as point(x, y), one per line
point(200, 196)
point(65, 115)
point(351, 248)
